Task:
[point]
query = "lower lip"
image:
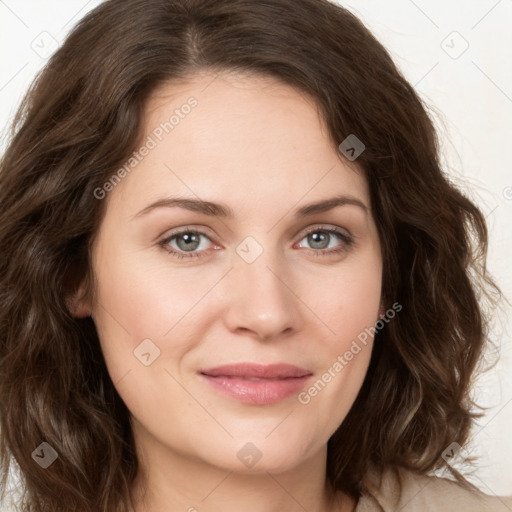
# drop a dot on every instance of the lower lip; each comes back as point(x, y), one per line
point(258, 392)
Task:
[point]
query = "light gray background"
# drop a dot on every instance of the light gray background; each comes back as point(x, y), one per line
point(469, 92)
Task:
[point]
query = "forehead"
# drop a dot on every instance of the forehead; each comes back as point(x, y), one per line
point(238, 134)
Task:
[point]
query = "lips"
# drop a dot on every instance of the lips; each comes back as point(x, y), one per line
point(257, 384)
point(256, 371)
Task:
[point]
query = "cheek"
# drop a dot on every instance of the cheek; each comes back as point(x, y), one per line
point(351, 308)
point(146, 296)
point(350, 303)
point(140, 299)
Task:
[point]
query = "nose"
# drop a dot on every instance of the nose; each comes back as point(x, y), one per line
point(262, 299)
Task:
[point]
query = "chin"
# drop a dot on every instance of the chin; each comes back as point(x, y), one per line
point(262, 455)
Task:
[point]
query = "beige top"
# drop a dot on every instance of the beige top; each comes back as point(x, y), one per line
point(404, 491)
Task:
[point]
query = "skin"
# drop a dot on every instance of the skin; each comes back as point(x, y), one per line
point(260, 147)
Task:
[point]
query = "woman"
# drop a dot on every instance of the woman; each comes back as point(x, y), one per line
point(233, 273)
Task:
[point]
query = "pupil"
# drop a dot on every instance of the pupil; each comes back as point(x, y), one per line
point(318, 238)
point(190, 240)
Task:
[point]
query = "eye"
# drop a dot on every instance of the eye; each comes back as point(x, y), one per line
point(320, 238)
point(186, 242)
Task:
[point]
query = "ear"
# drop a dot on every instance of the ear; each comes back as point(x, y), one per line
point(77, 304)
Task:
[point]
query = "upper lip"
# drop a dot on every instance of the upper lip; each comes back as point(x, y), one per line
point(251, 370)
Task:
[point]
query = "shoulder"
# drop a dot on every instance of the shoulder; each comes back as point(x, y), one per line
point(398, 489)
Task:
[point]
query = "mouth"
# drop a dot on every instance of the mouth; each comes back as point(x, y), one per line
point(257, 384)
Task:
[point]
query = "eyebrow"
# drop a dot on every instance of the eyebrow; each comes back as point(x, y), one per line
point(222, 210)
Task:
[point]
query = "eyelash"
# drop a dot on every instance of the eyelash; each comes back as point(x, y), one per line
point(347, 240)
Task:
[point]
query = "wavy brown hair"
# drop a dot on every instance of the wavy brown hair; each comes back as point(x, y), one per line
point(81, 120)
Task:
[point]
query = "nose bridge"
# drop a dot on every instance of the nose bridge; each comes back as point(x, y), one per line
point(261, 300)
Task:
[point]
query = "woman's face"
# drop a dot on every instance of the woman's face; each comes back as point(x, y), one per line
point(266, 284)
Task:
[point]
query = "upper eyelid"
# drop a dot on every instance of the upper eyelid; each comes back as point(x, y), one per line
point(180, 231)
